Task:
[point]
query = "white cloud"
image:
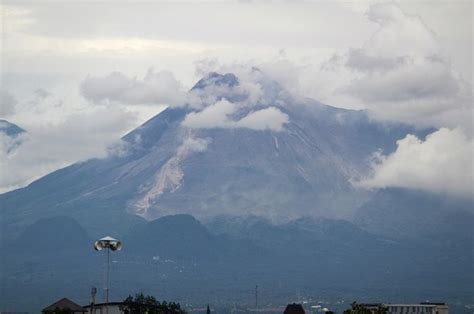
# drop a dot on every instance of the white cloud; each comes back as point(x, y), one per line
point(269, 118)
point(219, 115)
point(213, 116)
point(443, 163)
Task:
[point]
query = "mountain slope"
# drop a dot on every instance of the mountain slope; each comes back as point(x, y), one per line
point(303, 170)
point(402, 213)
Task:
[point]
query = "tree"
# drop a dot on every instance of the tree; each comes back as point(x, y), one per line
point(65, 310)
point(141, 304)
point(361, 309)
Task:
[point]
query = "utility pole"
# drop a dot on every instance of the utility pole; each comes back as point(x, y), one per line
point(93, 293)
point(256, 296)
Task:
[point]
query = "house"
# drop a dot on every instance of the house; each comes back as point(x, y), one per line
point(64, 305)
point(100, 308)
point(424, 307)
point(419, 308)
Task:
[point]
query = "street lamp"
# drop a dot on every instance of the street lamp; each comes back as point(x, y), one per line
point(107, 243)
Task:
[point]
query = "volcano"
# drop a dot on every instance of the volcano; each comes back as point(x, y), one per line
point(231, 191)
point(164, 167)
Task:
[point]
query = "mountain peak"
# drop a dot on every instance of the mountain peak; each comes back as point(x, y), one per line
point(217, 79)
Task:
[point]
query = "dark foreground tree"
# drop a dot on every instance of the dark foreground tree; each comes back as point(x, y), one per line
point(65, 310)
point(361, 309)
point(141, 304)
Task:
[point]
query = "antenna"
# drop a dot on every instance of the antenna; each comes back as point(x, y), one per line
point(107, 243)
point(256, 296)
point(93, 293)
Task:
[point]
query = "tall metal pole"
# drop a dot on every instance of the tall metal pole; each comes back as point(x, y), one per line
point(107, 283)
point(107, 243)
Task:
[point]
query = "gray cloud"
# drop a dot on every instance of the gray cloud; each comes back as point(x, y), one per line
point(402, 73)
point(162, 88)
point(41, 93)
point(358, 60)
point(7, 103)
point(155, 88)
point(406, 82)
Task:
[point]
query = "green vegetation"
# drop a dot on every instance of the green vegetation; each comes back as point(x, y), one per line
point(141, 304)
point(66, 310)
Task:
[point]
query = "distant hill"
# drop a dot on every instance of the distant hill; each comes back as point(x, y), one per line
point(179, 237)
point(177, 257)
point(51, 236)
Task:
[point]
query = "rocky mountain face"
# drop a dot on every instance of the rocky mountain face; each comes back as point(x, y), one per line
point(167, 168)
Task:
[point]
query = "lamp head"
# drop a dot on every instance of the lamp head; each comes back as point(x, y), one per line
point(108, 242)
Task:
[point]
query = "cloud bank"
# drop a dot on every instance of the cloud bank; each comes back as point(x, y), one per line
point(443, 163)
point(156, 88)
point(46, 148)
point(400, 73)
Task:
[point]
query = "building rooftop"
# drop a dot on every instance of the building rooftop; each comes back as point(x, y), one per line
point(62, 304)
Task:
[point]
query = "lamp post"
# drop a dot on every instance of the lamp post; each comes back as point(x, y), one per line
point(107, 243)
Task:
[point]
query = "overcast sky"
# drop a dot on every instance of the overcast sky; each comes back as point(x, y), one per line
point(63, 63)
